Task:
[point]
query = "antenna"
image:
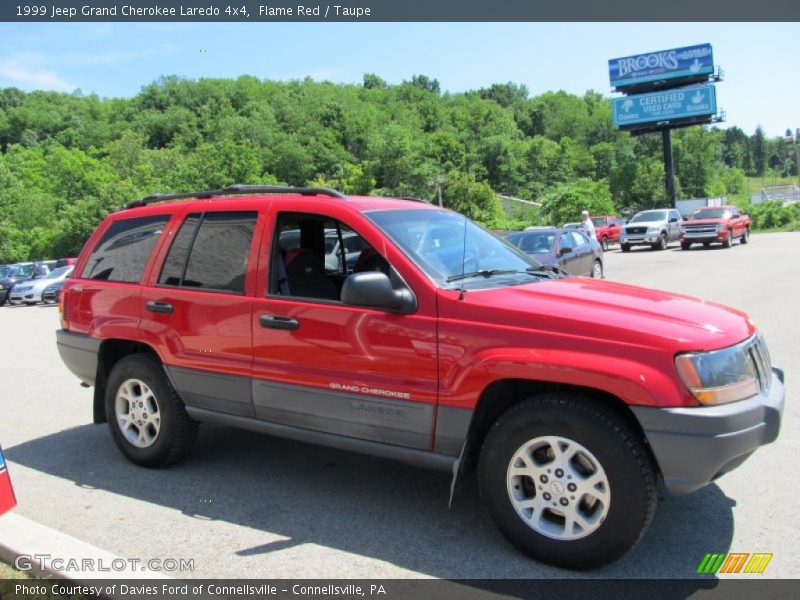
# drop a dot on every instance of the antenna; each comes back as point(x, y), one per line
point(463, 261)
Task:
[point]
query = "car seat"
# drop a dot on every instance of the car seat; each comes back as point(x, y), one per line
point(305, 276)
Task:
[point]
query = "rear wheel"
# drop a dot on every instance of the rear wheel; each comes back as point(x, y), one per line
point(597, 269)
point(567, 481)
point(148, 420)
point(625, 247)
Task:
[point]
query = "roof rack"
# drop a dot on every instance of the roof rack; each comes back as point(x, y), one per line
point(238, 189)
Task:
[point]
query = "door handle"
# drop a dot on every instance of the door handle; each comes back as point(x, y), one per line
point(276, 322)
point(155, 306)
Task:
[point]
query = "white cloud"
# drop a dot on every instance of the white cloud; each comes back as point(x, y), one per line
point(42, 80)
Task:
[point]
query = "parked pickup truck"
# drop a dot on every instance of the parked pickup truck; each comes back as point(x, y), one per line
point(441, 345)
point(607, 230)
point(715, 224)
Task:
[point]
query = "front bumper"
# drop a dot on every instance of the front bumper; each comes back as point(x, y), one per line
point(694, 446)
point(640, 240)
point(705, 237)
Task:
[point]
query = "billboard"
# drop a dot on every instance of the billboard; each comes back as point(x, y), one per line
point(679, 63)
point(695, 102)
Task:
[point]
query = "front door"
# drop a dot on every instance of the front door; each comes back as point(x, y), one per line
point(328, 367)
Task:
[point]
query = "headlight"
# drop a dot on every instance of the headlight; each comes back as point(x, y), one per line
point(720, 227)
point(652, 230)
point(726, 375)
point(1, 286)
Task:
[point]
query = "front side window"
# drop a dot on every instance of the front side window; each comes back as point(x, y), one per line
point(123, 251)
point(453, 251)
point(313, 255)
point(210, 252)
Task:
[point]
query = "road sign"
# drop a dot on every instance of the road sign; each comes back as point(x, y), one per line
point(697, 102)
point(690, 63)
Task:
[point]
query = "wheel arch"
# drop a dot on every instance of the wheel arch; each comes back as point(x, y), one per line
point(499, 396)
point(111, 351)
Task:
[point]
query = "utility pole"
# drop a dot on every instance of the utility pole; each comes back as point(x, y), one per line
point(788, 139)
point(439, 184)
point(669, 167)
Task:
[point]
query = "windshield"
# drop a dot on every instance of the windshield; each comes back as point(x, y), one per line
point(435, 240)
point(649, 215)
point(599, 221)
point(540, 242)
point(58, 273)
point(712, 213)
point(21, 271)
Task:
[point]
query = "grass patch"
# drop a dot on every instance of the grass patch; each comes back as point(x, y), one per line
point(8, 572)
point(755, 184)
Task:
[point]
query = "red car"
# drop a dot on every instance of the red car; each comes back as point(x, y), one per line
point(715, 224)
point(441, 345)
point(607, 230)
point(7, 499)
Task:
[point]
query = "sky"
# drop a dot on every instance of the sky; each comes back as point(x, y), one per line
point(760, 61)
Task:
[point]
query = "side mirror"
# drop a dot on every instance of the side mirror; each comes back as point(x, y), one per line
point(673, 219)
point(372, 289)
point(564, 250)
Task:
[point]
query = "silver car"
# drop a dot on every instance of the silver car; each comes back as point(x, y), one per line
point(654, 228)
point(30, 292)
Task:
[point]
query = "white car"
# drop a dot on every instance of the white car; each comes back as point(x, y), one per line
point(30, 292)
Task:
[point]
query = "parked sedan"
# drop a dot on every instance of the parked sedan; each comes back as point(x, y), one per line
point(568, 249)
point(52, 293)
point(30, 292)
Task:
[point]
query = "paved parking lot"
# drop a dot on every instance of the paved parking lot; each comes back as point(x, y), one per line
point(252, 506)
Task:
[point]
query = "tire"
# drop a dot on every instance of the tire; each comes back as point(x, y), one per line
point(140, 377)
point(686, 245)
point(706, 244)
point(745, 237)
point(603, 445)
point(728, 243)
point(662, 242)
point(597, 269)
point(604, 244)
point(625, 247)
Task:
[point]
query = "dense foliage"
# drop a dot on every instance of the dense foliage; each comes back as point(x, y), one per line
point(66, 160)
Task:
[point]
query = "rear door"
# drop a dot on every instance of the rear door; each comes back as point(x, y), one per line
point(197, 308)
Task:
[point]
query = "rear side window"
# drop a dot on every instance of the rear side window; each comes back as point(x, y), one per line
point(123, 251)
point(210, 252)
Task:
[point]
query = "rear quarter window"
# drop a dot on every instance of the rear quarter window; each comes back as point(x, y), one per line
point(123, 251)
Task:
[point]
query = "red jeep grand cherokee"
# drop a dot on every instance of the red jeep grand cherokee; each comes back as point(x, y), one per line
point(403, 330)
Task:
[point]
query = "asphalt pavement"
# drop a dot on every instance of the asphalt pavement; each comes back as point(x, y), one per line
point(247, 505)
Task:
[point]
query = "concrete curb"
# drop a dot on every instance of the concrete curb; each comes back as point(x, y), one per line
point(21, 536)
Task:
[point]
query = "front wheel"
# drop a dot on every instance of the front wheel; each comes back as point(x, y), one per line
point(661, 244)
point(686, 245)
point(148, 420)
point(728, 242)
point(625, 247)
point(567, 481)
point(745, 237)
point(604, 243)
point(597, 269)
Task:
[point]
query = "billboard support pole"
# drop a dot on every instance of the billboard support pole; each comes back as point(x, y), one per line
point(669, 167)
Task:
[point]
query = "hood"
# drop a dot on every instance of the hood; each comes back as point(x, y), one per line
point(615, 312)
point(704, 221)
point(646, 224)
